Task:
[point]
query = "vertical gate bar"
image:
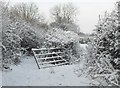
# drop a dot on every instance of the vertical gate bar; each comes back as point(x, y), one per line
point(36, 59)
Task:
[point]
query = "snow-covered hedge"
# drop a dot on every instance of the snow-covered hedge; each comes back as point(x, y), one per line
point(104, 53)
point(61, 36)
point(108, 38)
point(66, 39)
point(30, 35)
point(11, 50)
point(66, 26)
point(18, 35)
point(30, 39)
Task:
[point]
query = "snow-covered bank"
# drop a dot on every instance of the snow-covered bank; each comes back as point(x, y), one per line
point(27, 74)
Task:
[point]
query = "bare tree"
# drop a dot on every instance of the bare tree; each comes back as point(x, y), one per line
point(64, 13)
point(26, 11)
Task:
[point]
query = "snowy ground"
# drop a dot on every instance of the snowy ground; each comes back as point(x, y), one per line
point(27, 74)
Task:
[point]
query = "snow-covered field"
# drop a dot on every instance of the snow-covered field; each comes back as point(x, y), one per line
point(27, 74)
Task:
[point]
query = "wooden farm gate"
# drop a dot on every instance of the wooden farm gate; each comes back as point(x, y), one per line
point(50, 57)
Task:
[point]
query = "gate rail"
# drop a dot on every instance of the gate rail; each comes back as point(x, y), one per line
point(50, 57)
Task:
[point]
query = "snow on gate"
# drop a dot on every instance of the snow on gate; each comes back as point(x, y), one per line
point(50, 57)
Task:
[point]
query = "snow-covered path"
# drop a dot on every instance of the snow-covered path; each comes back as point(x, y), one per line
point(27, 74)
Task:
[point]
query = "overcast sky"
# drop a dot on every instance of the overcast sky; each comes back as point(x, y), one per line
point(89, 10)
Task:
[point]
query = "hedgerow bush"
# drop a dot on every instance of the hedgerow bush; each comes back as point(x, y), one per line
point(108, 38)
point(11, 52)
point(17, 36)
point(68, 40)
point(30, 39)
point(104, 53)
